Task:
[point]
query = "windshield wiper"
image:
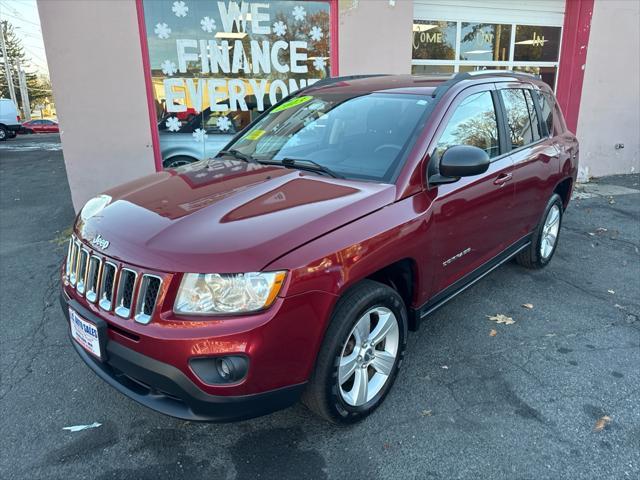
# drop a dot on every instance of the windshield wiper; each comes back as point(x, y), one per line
point(237, 154)
point(308, 165)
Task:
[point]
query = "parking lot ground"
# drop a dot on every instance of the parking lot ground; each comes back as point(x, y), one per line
point(521, 404)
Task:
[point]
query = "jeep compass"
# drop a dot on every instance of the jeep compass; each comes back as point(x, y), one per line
point(293, 264)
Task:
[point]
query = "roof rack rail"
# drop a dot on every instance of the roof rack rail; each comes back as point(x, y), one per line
point(458, 77)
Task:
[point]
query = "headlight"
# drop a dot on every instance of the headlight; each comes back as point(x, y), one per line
point(213, 293)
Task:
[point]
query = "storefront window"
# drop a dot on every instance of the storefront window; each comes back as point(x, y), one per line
point(432, 69)
point(485, 46)
point(434, 40)
point(534, 43)
point(216, 65)
point(547, 74)
point(485, 42)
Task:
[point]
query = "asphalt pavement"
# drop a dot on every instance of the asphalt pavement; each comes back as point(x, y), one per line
point(525, 403)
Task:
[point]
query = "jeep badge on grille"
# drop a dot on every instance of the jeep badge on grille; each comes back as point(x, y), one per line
point(100, 242)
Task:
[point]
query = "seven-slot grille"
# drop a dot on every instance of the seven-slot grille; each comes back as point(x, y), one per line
point(100, 280)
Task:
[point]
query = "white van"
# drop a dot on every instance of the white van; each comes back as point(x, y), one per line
point(9, 119)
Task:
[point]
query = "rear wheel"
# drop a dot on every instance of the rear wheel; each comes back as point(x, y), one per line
point(4, 133)
point(361, 354)
point(545, 238)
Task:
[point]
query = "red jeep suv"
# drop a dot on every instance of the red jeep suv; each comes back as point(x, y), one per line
point(293, 264)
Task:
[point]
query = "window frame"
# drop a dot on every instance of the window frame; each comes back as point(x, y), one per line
point(451, 111)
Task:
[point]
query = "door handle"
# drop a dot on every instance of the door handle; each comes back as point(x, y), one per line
point(503, 178)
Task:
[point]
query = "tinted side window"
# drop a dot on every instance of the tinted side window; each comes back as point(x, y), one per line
point(518, 120)
point(533, 117)
point(546, 109)
point(473, 123)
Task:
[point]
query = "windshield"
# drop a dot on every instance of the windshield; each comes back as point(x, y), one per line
point(360, 137)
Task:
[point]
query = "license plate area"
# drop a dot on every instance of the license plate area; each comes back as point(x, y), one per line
point(89, 335)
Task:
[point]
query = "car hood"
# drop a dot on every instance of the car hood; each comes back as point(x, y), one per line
point(226, 216)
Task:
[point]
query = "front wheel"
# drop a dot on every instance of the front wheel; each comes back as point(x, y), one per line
point(361, 354)
point(4, 133)
point(544, 240)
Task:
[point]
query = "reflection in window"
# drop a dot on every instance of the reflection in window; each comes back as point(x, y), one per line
point(434, 40)
point(485, 42)
point(533, 116)
point(432, 69)
point(518, 119)
point(473, 123)
point(535, 43)
point(545, 101)
point(477, 68)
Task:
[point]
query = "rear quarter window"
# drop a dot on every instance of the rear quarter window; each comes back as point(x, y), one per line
point(546, 109)
point(519, 126)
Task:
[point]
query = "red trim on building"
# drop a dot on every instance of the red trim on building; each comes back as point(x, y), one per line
point(333, 24)
point(153, 120)
point(573, 58)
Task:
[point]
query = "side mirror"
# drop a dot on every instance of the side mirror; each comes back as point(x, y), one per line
point(461, 161)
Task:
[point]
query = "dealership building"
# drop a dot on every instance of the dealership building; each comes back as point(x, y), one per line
point(142, 85)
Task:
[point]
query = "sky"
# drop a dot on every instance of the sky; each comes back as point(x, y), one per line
point(23, 15)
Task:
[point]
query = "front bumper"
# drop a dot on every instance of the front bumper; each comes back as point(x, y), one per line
point(166, 389)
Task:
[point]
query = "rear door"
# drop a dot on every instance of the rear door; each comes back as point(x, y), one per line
point(534, 154)
point(470, 217)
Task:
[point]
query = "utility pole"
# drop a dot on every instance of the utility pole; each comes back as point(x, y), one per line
point(7, 67)
point(24, 93)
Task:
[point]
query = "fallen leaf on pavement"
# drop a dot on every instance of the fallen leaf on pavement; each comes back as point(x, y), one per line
point(493, 333)
point(528, 305)
point(500, 318)
point(601, 423)
point(426, 413)
point(445, 367)
point(611, 291)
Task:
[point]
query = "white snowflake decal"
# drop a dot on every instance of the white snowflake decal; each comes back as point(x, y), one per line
point(299, 13)
point(223, 123)
point(180, 9)
point(316, 33)
point(208, 24)
point(162, 30)
point(318, 63)
point(279, 28)
point(173, 124)
point(168, 67)
point(199, 135)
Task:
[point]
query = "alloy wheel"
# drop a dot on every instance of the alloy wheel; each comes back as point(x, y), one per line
point(368, 356)
point(550, 232)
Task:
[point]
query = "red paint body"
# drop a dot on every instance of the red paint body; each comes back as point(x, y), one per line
point(326, 233)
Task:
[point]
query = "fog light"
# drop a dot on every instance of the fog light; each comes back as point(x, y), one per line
point(225, 368)
point(220, 370)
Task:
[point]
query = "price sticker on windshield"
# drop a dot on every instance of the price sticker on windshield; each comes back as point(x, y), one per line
point(255, 134)
point(292, 103)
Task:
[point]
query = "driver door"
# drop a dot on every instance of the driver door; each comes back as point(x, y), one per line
point(472, 217)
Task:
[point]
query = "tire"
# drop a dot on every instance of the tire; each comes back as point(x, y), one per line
point(175, 162)
point(538, 255)
point(4, 133)
point(12, 134)
point(339, 403)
